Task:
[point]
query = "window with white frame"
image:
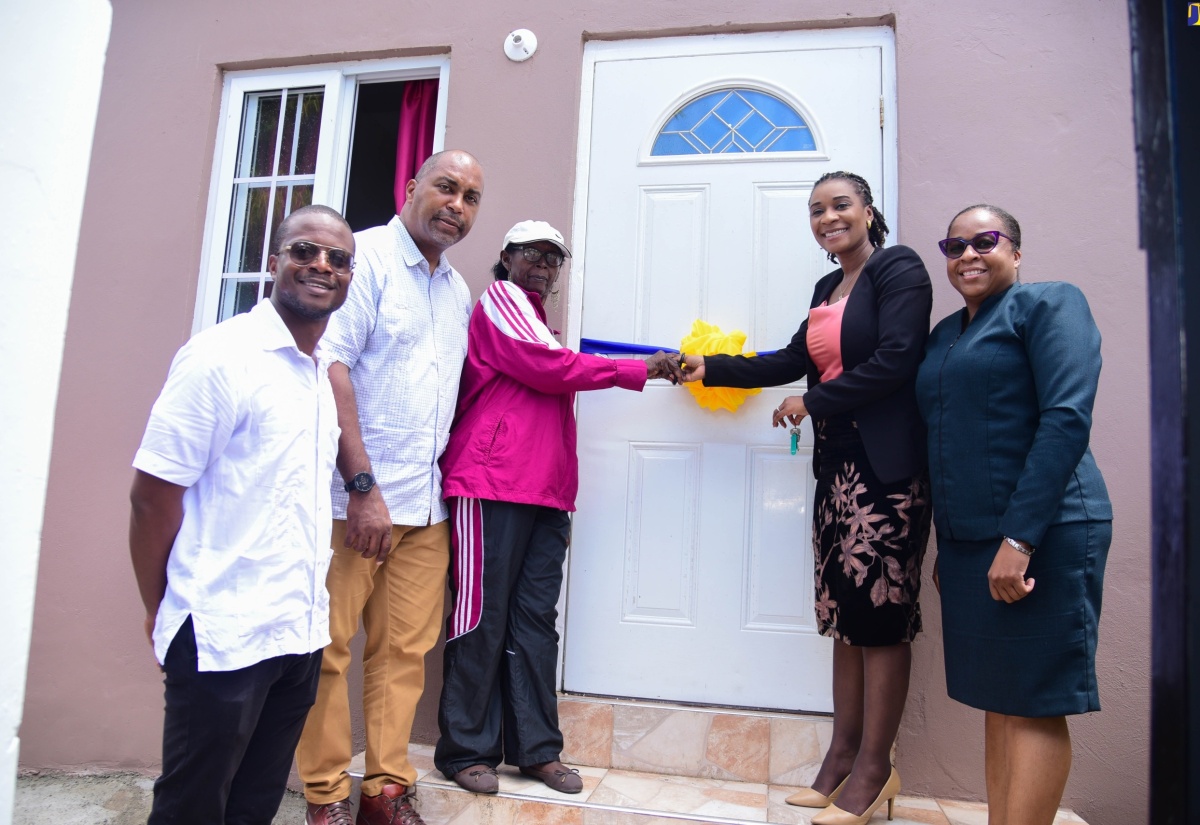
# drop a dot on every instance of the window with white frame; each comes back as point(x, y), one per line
point(288, 138)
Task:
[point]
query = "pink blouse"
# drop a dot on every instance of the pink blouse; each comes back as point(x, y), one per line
point(824, 338)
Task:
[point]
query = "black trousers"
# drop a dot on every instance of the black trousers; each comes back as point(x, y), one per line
point(229, 736)
point(498, 699)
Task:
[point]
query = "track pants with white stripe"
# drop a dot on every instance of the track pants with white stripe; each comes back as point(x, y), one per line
point(498, 698)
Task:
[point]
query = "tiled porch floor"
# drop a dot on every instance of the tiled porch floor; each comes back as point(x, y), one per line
point(623, 797)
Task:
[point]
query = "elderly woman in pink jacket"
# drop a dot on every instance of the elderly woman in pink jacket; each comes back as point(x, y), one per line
point(510, 475)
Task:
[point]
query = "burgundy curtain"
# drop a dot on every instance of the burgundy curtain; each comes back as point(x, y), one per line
point(418, 110)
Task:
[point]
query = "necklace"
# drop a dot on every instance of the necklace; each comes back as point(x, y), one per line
point(848, 282)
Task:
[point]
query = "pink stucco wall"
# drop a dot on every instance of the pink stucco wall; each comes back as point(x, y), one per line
point(1026, 104)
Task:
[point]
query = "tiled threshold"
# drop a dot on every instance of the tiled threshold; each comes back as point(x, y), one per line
point(646, 763)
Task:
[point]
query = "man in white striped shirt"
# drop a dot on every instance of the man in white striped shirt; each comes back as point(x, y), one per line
point(399, 343)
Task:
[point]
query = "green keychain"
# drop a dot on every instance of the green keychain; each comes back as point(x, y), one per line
point(795, 439)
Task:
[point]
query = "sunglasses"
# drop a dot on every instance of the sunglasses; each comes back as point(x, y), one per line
point(983, 243)
point(533, 255)
point(304, 253)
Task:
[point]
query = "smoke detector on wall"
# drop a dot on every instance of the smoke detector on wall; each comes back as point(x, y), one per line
point(520, 45)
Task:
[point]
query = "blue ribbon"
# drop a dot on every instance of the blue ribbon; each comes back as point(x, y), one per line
point(595, 346)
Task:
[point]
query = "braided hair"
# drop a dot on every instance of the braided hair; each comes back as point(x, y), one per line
point(878, 230)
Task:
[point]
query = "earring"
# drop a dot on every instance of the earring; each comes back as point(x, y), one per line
point(868, 224)
point(554, 299)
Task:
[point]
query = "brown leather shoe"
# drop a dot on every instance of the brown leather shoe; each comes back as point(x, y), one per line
point(556, 775)
point(334, 813)
point(478, 779)
point(393, 806)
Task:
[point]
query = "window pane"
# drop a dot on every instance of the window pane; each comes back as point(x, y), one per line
point(673, 144)
point(237, 295)
point(732, 121)
point(753, 128)
point(240, 295)
point(309, 132)
point(289, 137)
point(733, 109)
point(277, 216)
point(298, 150)
point(248, 227)
point(260, 123)
point(301, 196)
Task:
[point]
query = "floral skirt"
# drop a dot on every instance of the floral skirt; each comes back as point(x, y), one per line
point(868, 543)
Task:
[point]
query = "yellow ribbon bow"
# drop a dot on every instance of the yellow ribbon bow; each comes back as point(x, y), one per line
point(707, 339)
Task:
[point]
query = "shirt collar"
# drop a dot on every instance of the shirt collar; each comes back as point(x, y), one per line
point(274, 333)
point(409, 252)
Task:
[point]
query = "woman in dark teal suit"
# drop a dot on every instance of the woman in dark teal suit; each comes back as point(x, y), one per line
point(1022, 514)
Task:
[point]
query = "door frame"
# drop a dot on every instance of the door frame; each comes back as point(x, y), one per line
point(596, 52)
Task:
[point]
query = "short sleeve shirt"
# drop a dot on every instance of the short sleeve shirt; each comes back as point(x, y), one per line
point(248, 424)
point(403, 334)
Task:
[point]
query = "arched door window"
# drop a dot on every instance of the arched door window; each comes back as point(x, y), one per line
point(733, 121)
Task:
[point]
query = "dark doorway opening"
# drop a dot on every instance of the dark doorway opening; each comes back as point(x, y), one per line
point(370, 199)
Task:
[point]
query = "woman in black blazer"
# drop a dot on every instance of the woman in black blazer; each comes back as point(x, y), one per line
point(859, 349)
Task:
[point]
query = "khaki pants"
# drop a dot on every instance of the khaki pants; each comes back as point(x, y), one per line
point(400, 603)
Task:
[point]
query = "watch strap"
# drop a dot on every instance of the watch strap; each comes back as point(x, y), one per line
point(1016, 545)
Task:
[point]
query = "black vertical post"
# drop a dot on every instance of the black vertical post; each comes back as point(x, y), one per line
point(1166, 87)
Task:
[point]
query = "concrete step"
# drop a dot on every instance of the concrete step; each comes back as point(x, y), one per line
point(647, 763)
point(701, 742)
point(616, 797)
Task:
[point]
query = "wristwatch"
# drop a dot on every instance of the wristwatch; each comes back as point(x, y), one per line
point(361, 483)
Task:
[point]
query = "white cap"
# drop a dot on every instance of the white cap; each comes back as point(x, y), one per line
point(531, 231)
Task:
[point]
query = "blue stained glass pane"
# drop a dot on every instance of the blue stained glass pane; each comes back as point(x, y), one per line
point(725, 144)
point(775, 109)
point(667, 144)
point(794, 140)
point(754, 128)
point(740, 144)
point(690, 114)
point(734, 120)
point(733, 109)
point(710, 130)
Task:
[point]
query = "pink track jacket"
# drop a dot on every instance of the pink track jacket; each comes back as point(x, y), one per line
point(513, 437)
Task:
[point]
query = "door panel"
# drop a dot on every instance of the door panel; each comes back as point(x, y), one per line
point(690, 576)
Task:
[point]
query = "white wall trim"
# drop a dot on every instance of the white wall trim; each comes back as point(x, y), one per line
point(43, 177)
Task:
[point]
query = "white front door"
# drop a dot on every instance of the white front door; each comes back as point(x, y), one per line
point(690, 575)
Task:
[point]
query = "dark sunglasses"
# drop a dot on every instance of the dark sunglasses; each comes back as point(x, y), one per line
point(304, 253)
point(983, 243)
point(533, 255)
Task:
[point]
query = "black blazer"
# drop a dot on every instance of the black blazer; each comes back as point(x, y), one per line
point(884, 326)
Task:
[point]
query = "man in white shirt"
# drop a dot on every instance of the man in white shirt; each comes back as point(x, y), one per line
point(229, 533)
point(400, 342)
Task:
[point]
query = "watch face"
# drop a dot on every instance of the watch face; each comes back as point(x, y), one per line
point(362, 482)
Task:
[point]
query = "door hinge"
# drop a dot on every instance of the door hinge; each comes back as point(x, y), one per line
point(881, 112)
